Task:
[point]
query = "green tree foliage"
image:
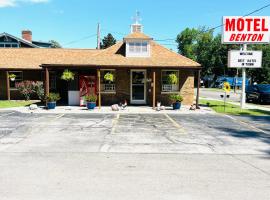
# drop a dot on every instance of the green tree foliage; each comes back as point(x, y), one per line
point(187, 42)
point(55, 44)
point(204, 47)
point(107, 41)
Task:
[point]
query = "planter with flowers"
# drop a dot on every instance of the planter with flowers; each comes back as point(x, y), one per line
point(12, 77)
point(177, 100)
point(91, 101)
point(51, 99)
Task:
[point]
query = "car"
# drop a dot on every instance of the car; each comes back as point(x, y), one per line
point(258, 93)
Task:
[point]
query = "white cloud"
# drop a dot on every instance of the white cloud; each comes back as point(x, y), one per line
point(12, 3)
point(7, 3)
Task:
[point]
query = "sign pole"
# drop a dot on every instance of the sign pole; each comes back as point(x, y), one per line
point(243, 96)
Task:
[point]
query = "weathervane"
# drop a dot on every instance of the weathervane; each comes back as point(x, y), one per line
point(137, 18)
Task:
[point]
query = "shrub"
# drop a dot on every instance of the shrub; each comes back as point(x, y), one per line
point(53, 97)
point(176, 97)
point(39, 89)
point(25, 88)
point(91, 98)
point(67, 75)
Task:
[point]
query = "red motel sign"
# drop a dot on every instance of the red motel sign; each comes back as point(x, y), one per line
point(249, 30)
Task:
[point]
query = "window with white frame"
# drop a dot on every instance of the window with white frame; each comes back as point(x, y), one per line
point(18, 78)
point(107, 80)
point(170, 80)
point(9, 45)
point(138, 49)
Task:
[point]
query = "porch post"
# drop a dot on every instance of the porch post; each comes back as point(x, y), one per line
point(7, 85)
point(99, 93)
point(154, 89)
point(47, 82)
point(198, 88)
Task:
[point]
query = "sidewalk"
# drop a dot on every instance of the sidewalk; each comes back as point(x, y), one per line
point(108, 110)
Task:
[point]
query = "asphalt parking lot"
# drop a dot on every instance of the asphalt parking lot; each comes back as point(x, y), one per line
point(130, 156)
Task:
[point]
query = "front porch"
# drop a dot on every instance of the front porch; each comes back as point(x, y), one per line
point(136, 86)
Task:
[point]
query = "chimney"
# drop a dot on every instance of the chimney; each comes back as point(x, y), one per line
point(27, 35)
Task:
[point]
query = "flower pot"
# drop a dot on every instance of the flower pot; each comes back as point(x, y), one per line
point(51, 105)
point(12, 79)
point(176, 105)
point(91, 105)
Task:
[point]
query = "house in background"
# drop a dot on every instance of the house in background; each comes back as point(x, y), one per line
point(139, 64)
point(10, 41)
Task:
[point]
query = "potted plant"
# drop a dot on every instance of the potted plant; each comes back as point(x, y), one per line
point(67, 75)
point(177, 99)
point(51, 99)
point(12, 77)
point(91, 101)
point(109, 77)
point(172, 79)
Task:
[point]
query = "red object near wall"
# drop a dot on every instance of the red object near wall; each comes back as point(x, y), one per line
point(88, 85)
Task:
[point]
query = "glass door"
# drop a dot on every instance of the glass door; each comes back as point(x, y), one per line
point(138, 86)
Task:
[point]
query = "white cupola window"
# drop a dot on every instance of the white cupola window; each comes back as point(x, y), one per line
point(137, 43)
point(137, 48)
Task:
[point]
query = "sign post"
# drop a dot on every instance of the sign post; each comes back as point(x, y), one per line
point(243, 96)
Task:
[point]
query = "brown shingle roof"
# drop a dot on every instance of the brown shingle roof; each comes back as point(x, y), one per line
point(137, 35)
point(111, 57)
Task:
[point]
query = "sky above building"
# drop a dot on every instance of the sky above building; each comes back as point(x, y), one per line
point(73, 23)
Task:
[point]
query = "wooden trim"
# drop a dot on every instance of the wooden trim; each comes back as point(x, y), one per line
point(47, 82)
point(99, 87)
point(198, 89)
point(154, 89)
point(7, 85)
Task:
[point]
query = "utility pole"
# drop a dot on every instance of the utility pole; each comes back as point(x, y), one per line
point(243, 96)
point(98, 36)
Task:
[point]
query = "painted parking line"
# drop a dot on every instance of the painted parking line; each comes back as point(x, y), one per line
point(114, 123)
point(176, 125)
point(247, 124)
point(7, 114)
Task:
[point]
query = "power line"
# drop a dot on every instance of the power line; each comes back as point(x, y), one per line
point(257, 10)
point(84, 38)
point(164, 40)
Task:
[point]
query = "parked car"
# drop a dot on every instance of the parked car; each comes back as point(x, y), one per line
point(234, 81)
point(258, 93)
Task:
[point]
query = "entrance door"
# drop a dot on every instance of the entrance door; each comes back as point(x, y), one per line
point(138, 86)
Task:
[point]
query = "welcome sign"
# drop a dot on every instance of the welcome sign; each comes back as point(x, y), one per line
point(248, 30)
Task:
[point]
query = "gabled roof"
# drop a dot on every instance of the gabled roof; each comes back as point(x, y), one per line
point(19, 39)
point(137, 35)
point(24, 58)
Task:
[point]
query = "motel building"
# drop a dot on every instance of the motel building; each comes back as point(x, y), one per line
point(140, 67)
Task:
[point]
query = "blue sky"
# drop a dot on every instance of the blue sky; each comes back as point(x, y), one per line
point(72, 20)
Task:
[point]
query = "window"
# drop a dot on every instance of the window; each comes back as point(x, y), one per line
point(144, 47)
point(131, 47)
point(19, 78)
point(107, 81)
point(52, 83)
point(167, 86)
point(9, 45)
point(138, 49)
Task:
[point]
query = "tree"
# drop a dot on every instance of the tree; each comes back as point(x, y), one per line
point(55, 44)
point(107, 41)
point(186, 42)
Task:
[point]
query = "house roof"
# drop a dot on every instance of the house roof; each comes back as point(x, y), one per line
point(24, 58)
point(19, 39)
point(137, 35)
